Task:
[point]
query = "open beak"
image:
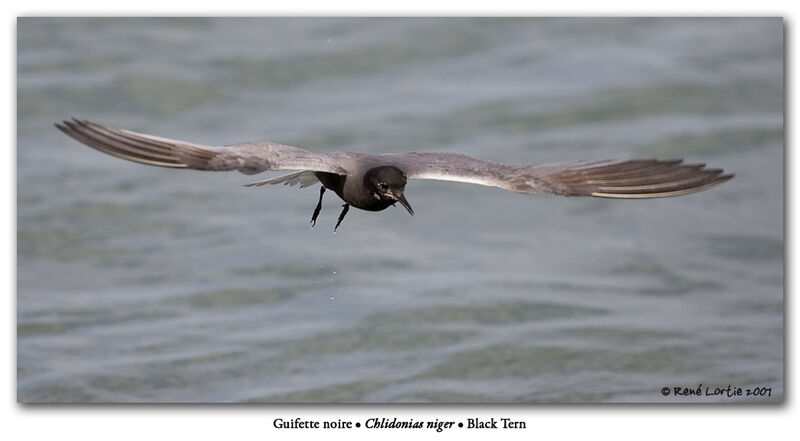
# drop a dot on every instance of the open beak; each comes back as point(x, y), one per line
point(400, 197)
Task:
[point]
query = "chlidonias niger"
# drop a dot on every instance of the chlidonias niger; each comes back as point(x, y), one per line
point(374, 182)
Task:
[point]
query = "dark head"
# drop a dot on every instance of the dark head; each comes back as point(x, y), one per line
point(388, 183)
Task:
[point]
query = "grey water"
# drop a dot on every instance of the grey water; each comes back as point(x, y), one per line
point(144, 284)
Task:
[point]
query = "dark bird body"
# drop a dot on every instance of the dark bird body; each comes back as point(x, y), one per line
point(375, 182)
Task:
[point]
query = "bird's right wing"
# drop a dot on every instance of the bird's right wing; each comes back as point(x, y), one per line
point(647, 178)
point(248, 158)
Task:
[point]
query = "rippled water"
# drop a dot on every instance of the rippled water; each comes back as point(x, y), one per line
point(142, 284)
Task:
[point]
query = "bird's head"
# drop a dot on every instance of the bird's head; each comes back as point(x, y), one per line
point(388, 183)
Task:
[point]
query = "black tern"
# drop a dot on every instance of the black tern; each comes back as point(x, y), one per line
point(375, 182)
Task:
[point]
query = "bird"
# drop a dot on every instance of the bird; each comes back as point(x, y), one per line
point(375, 182)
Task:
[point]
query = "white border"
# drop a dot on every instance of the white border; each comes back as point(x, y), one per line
point(255, 422)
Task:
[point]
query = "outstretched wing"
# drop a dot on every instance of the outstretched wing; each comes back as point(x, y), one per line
point(607, 178)
point(248, 158)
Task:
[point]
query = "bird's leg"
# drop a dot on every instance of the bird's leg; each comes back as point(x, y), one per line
point(319, 207)
point(341, 216)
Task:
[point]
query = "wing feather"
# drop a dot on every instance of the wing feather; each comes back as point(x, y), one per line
point(248, 158)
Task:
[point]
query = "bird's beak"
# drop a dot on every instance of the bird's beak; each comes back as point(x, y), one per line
point(400, 197)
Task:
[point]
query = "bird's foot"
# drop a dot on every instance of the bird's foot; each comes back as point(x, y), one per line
point(318, 208)
point(341, 216)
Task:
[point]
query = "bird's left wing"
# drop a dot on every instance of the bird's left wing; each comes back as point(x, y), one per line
point(648, 178)
point(248, 158)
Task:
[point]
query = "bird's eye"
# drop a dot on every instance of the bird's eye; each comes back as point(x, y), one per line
point(384, 186)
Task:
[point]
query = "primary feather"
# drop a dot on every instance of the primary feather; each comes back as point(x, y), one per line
point(248, 158)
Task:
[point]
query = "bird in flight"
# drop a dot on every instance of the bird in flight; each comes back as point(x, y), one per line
point(375, 182)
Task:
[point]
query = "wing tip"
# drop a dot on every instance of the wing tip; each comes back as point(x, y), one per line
point(70, 125)
point(701, 186)
point(108, 141)
point(655, 179)
point(66, 126)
